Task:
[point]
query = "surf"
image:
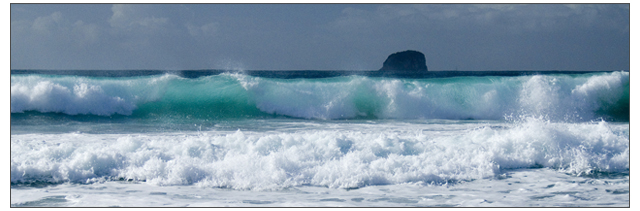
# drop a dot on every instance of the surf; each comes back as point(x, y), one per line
point(376, 154)
point(558, 97)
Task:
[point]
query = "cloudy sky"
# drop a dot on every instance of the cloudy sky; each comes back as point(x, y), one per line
point(319, 36)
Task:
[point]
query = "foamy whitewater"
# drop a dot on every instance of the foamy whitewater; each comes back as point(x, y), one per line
point(234, 139)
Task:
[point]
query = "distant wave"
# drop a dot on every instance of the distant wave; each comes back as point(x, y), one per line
point(561, 97)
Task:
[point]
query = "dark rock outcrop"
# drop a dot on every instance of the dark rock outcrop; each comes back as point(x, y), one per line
point(405, 61)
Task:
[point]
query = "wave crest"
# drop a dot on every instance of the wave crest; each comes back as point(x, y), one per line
point(557, 97)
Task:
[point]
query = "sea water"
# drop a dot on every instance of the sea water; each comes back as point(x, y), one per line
point(214, 139)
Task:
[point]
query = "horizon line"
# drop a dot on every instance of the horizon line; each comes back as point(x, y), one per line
point(341, 70)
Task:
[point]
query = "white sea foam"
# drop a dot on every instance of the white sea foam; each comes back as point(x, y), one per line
point(419, 149)
point(557, 97)
point(378, 154)
point(519, 188)
point(554, 97)
point(80, 95)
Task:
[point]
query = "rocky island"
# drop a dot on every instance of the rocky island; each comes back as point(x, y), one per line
point(409, 60)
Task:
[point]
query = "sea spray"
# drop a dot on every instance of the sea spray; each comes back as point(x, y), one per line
point(552, 139)
point(378, 155)
point(559, 97)
point(84, 95)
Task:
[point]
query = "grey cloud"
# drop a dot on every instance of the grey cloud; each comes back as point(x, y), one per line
point(127, 15)
point(495, 36)
point(453, 36)
point(208, 29)
point(515, 16)
point(46, 23)
point(49, 40)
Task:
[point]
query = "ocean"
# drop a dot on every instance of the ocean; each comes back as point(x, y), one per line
point(212, 138)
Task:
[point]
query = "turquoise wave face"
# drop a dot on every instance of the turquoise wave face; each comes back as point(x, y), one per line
point(210, 97)
point(562, 97)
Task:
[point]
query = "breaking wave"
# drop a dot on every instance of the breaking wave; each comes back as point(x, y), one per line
point(562, 97)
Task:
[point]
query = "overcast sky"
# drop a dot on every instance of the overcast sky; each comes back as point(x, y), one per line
point(319, 36)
